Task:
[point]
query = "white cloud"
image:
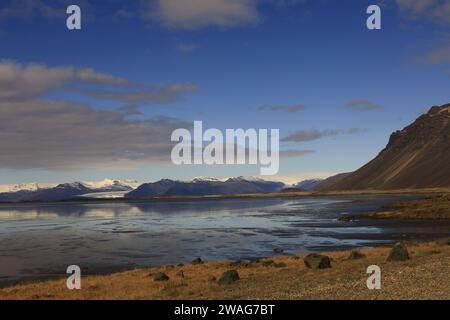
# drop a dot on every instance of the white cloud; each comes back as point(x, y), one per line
point(41, 134)
point(19, 81)
point(38, 133)
point(362, 105)
point(192, 14)
point(32, 80)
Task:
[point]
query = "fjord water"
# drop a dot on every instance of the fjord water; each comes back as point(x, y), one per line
point(41, 240)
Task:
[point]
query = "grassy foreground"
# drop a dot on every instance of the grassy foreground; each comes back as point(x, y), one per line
point(424, 276)
point(435, 207)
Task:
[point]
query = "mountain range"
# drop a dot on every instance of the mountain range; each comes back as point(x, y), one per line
point(133, 190)
point(417, 156)
point(65, 191)
point(202, 187)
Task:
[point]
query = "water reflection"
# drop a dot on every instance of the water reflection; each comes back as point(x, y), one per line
point(39, 240)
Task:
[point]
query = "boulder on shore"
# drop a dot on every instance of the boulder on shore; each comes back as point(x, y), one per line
point(317, 261)
point(160, 276)
point(356, 254)
point(197, 261)
point(229, 277)
point(398, 253)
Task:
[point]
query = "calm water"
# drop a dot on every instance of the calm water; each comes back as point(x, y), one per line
point(40, 241)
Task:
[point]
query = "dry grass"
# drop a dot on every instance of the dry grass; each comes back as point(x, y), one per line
point(425, 276)
point(435, 207)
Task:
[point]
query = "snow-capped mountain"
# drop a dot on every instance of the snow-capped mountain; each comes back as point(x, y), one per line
point(200, 187)
point(308, 184)
point(65, 191)
point(110, 188)
point(112, 184)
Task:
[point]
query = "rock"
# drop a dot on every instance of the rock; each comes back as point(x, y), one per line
point(239, 263)
point(279, 265)
point(180, 274)
point(355, 254)
point(212, 279)
point(229, 277)
point(398, 253)
point(160, 276)
point(317, 261)
point(267, 262)
point(444, 242)
point(278, 250)
point(197, 261)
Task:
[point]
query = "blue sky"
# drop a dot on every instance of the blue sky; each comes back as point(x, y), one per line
point(231, 64)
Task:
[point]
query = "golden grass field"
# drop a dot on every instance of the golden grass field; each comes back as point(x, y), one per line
point(425, 276)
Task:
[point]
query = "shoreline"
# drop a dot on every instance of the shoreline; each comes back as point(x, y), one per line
point(275, 195)
point(138, 284)
point(432, 207)
point(424, 276)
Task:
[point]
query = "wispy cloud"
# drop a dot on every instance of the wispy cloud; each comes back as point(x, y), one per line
point(431, 10)
point(362, 105)
point(147, 94)
point(39, 133)
point(193, 14)
point(18, 81)
point(284, 108)
point(187, 47)
point(435, 56)
point(295, 153)
point(42, 134)
point(47, 9)
point(314, 134)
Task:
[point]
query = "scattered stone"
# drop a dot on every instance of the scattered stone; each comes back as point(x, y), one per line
point(398, 253)
point(356, 254)
point(444, 241)
point(180, 274)
point(197, 261)
point(278, 250)
point(229, 277)
point(212, 279)
point(160, 276)
point(180, 265)
point(279, 265)
point(239, 263)
point(295, 257)
point(317, 261)
point(93, 287)
point(267, 262)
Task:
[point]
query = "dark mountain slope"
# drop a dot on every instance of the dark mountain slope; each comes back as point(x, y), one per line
point(416, 157)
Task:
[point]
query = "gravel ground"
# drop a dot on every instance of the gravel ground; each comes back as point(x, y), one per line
point(424, 276)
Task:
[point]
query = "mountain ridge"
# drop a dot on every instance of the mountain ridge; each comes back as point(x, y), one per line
point(415, 157)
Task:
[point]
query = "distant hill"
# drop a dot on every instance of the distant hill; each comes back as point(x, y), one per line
point(307, 185)
point(416, 157)
point(201, 187)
